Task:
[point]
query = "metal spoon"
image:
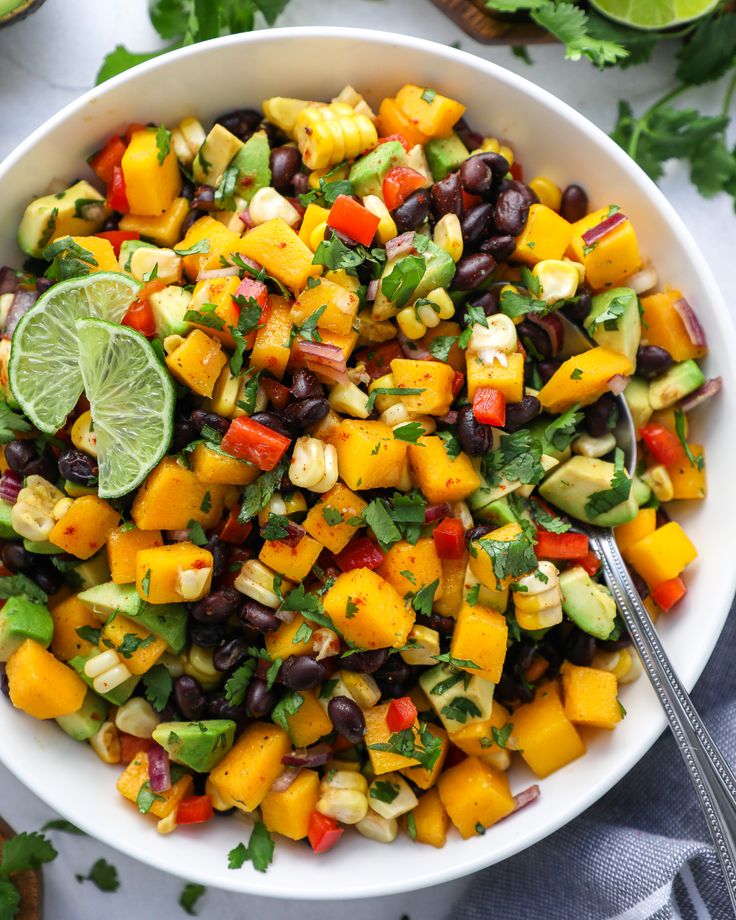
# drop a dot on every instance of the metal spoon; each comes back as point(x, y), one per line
point(713, 779)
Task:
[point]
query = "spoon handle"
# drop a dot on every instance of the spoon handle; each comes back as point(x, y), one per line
point(711, 775)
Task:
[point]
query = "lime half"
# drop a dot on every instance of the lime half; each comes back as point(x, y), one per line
point(653, 14)
point(44, 357)
point(131, 398)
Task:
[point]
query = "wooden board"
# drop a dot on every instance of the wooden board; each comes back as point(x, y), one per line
point(474, 18)
point(30, 884)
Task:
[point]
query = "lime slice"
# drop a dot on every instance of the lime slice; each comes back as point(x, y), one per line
point(131, 398)
point(44, 357)
point(653, 14)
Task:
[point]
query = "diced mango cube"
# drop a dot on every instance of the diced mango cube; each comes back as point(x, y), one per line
point(368, 455)
point(310, 722)
point(271, 351)
point(123, 545)
point(288, 812)
point(583, 378)
point(164, 229)
point(508, 378)
point(150, 185)
point(341, 306)
point(663, 326)
point(211, 466)
point(318, 522)
point(246, 773)
point(293, 562)
point(132, 779)
point(543, 734)
point(85, 527)
point(643, 524)
point(217, 292)
point(438, 476)
point(476, 738)
point(276, 247)
point(378, 732)
point(392, 120)
point(432, 377)
point(590, 696)
point(102, 252)
point(69, 615)
point(367, 610)
point(688, 479)
point(197, 362)
point(139, 648)
point(434, 114)
point(222, 242)
point(174, 573)
point(282, 642)
point(475, 794)
point(480, 636)
point(453, 580)
point(172, 496)
point(662, 555)
point(431, 819)
point(313, 217)
point(546, 235)
point(410, 568)
point(610, 260)
point(41, 685)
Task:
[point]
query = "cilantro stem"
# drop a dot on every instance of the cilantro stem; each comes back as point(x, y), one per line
point(728, 99)
point(642, 122)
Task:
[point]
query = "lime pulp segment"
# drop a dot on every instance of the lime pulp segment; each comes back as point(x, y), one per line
point(44, 370)
point(131, 399)
point(654, 14)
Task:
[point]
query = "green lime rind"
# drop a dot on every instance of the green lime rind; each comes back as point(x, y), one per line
point(44, 369)
point(654, 14)
point(131, 399)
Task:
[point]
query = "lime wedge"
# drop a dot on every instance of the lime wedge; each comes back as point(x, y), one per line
point(131, 398)
point(44, 356)
point(653, 14)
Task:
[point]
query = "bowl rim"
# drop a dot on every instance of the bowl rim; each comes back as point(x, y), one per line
point(717, 305)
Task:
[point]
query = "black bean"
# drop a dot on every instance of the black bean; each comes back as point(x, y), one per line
point(300, 183)
point(304, 384)
point(411, 214)
point(520, 656)
point(662, 517)
point(259, 617)
point(365, 662)
point(512, 210)
point(240, 122)
point(76, 466)
point(497, 162)
point(534, 338)
point(204, 198)
point(187, 190)
point(477, 223)
point(343, 237)
point(285, 163)
point(207, 635)
point(444, 625)
point(230, 655)
point(17, 558)
point(170, 713)
point(528, 194)
point(578, 309)
point(300, 672)
point(475, 533)
point(191, 218)
point(476, 176)
point(574, 205)
point(44, 467)
point(259, 699)
point(521, 413)
point(219, 707)
point(111, 223)
point(218, 606)
point(471, 271)
point(201, 419)
point(347, 718)
point(548, 368)
point(302, 413)
point(602, 416)
point(580, 648)
point(189, 698)
point(487, 301)
point(18, 454)
point(500, 247)
point(624, 640)
point(447, 196)
point(467, 135)
point(4, 685)
point(219, 555)
point(474, 437)
point(272, 421)
point(46, 576)
point(651, 361)
point(392, 677)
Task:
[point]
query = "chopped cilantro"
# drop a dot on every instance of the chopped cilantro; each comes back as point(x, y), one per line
point(605, 500)
point(163, 143)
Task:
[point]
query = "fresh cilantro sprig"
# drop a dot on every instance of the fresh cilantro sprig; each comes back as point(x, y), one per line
point(11, 423)
point(259, 850)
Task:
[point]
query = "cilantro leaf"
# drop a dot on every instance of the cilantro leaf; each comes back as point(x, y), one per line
point(288, 706)
point(501, 735)
point(517, 458)
point(248, 320)
point(11, 423)
point(237, 857)
point(511, 558)
point(159, 684)
point(332, 516)
point(563, 430)
point(404, 742)
point(606, 499)
point(441, 346)
point(452, 446)
point(384, 791)
point(146, 797)
point(196, 533)
point(258, 494)
point(460, 708)
point(189, 896)
point(163, 143)
point(103, 875)
point(709, 52)
point(60, 824)
point(238, 682)
point(379, 520)
point(410, 431)
point(275, 528)
point(610, 317)
point(402, 280)
point(25, 851)
point(9, 899)
point(424, 598)
point(569, 24)
point(694, 461)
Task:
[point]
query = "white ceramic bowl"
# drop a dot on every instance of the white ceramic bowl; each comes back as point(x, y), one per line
point(549, 138)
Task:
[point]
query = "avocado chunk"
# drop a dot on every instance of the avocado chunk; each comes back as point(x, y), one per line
point(22, 619)
point(368, 172)
point(491, 505)
point(458, 698)
point(439, 270)
point(169, 307)
point(614, 321)
point(589, 605)
point(641, 491)
point(7, 531)
point(444, 155)
point(169, 621)
point(94, 571)
point(42, 547)
point(636, 395)
point(575, 483)
point(252, 162)
point(127, 248)
point(48, 218)
point(197, 745)
point(676, 383)
point(116, 696)
point(538, 430)
point(215, 155)
point(86, 721)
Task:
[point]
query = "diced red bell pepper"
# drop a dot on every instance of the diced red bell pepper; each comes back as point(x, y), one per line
point(469, 201)
point(360, 553)
point(401, 714)
point(130, 746)
point(277, 393)
point(667, 593)
point(353, 219)
point(664, 446)
point(116, 238)
point(323, 832)
point(458, 382)
point(105, 160)
point(140, 317)
point(449, 538)
point(561, 545)
point(517, 171)
point(195, 809)
point(132, 129)
point(489, 406)
point(590, 562)
point(117, 199)
point(257, 290)
point(232, 531)
point(378, 358)
point(398, 183)
point(394, 137)
point(254, 442)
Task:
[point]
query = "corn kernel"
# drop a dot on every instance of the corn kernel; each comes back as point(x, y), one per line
point(387, 229)
point(558, 280)
point(136, 717)
point(106, 743)
point(267, 204)
point(402, 800)
point(448, 235)
point(659, 481)
point(547, 192)
point(83, 436)
point(375, 827)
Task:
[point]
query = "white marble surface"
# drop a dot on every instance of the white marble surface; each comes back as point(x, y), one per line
point(50, 59)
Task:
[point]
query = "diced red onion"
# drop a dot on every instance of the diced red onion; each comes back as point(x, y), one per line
point(9, 281)
point(412, 349)
point(526, 797)
point(316, 756)
point(286, 616)
point(552, 325)
point(246, 218)
point(400, 245)
point(596, 234)
point(449, 418)
point(10, 486)
point(178, 536)
point(618, 383)
point(226, 272)
point(22, 303)
point(695, 331)
point(282, 782)
point(372, 291)
point(159, 772)
point(701, 395)
point(323, 358)
point(435, 512)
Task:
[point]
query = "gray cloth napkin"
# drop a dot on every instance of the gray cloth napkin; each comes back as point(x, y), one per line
point(642, 852)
